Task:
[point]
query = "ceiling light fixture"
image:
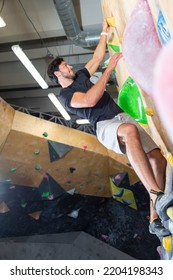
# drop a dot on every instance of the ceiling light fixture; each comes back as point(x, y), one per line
point(29, 66)
point(2, 22)
point(58, 105)
point(82, 121)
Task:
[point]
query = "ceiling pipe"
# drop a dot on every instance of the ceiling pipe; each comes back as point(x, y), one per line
point(68, 18)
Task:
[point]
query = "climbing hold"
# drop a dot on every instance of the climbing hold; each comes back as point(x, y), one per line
point(7, 180)
point(71, 191)
point(167, 243)
point(46, 194)
point(149, 111)
point(169, 212)
point(162, 29)
point(23, 204)
point(45, 134)
point(119, 194)
point(114, 47)
point(74, 214)
point(163, 86)
point(129, 99)
point(140, 41)
point(36, 152)
point(120, 40)
point(35, 215)
point(106, 65)
point(105, 237)
point(85, 147)
point(50, 197)
point(169, 158)
point(13, 169)
point(12, 187)
point(111, 21)
point(37, 167)
point(72, 169)
point(3, 207)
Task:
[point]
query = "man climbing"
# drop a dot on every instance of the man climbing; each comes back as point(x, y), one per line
point(114, 129)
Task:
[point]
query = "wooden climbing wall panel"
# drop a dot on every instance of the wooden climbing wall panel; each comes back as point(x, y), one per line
point(121, 11)
point(6, 119)
point(28, 157)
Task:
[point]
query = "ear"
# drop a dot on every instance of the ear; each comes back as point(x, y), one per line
point(57, 74)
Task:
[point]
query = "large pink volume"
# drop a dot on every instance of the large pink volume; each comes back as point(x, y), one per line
point(163, 87)
point(141, 46)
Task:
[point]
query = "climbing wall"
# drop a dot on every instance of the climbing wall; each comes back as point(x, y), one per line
point(141, 44)
point(140, 29)
point(41, 154)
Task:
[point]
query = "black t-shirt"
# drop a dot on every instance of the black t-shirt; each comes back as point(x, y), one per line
point(105, 108)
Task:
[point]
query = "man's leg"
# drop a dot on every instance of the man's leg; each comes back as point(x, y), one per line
point(150, 168)
point(158, 164)
point(129, 136)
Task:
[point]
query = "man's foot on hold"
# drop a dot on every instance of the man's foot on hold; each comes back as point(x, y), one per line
point(156, 227)
point(162, 203)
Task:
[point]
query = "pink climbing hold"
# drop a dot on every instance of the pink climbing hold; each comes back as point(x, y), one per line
point(141, 46)
point(163, 86)
point(85, 147)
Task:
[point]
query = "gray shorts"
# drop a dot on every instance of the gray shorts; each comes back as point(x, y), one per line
point(106, 132)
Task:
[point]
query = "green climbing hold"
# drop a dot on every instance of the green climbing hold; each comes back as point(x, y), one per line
point(13, 169)
point(129, 99)
point(45, 134)
point(46, 194)
point(36, 152)
point(7, 180)
point(115, 48)
point(37, 167)
point(106, 65)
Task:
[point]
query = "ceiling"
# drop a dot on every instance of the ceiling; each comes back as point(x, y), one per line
point(36, 26)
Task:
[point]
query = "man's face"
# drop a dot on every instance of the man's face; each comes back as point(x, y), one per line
point(66, 70)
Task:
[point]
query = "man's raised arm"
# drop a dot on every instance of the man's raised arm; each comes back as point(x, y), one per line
point(99, 52)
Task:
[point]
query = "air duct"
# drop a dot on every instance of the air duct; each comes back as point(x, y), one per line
point(67, 15)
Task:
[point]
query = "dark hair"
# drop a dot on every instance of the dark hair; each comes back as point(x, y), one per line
point(54, 66)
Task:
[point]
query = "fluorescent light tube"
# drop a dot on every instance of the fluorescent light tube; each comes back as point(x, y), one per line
point(2, 22)
point(82, 121)
point(58, 105)
point(29, 66)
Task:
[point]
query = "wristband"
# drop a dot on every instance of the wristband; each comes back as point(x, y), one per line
point(103, 33)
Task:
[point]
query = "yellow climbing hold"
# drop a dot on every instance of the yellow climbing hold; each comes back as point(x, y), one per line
point(120, 40)
point(111, 21)
point(169, 212)
point(144, 125)
point(169, 158)
point(149, 111)
point(167, 243)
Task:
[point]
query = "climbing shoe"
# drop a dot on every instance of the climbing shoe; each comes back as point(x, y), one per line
point(156, 227)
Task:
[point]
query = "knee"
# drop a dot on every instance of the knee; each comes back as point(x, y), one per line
point(128, 131)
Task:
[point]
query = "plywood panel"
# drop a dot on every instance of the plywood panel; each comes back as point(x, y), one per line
point(6, 120)
point(35, 126)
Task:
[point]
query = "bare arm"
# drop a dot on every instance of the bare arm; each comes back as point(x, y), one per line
point(99, 52)
point(93, 95)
